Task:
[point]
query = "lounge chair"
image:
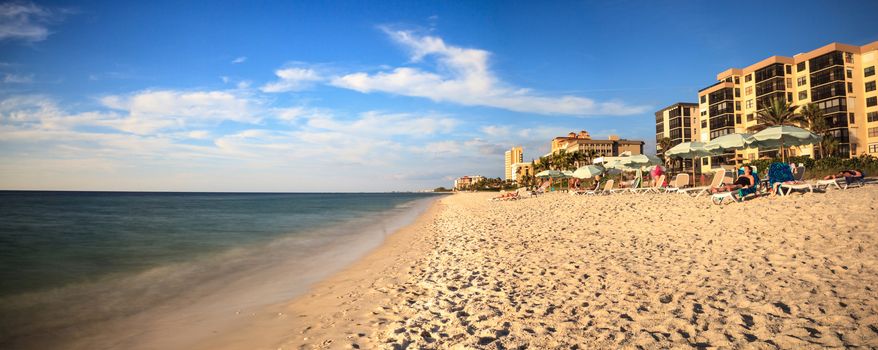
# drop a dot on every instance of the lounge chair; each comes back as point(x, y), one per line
point(542, 188)
point(717, 181)
point(797, 184)
point(658, 187)
point(608, 187)
point(720, 198)
point(680, 182)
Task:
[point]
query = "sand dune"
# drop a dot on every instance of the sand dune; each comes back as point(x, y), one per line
point(624, 271)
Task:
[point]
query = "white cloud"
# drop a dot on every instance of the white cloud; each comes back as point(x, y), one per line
point(150, 111)
point(239, 60)
point(380, 124)
point(18, 79)
point(463, 76)
point(292, 79)
point(23, 21)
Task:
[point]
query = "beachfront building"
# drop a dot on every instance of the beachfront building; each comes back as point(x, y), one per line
point(583, 142)
point(679, 123)
point(463, 182)
point(511, 157)
point(521, 169)
point(839, 78)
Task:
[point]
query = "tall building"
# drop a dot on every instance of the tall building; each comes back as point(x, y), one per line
point(520, 170)
point(679, 123)
point(583, 142)
point(462, 182)
point(839, 78)
point(512, 156)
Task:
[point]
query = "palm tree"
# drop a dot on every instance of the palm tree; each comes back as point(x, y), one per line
point(778, 112)
point(665, 144)
point(812, 119)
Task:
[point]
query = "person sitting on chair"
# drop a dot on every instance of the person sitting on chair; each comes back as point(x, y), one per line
point(745, 180)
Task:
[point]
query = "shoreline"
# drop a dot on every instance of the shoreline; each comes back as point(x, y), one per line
point(271, 327)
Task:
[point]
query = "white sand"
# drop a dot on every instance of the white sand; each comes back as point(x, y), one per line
point(558, 271)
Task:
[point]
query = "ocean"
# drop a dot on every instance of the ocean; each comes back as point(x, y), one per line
point(77, 265)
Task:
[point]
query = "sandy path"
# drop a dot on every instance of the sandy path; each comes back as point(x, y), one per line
point(651, 271)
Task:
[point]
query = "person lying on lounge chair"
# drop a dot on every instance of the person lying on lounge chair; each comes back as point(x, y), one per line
point(745, 180)
point(779, 173)
point(506, 195)
point(598, 182)
point(850, 176)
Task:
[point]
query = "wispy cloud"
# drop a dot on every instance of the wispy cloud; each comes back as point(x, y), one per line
point(463, 76)
point(18, 78)
point(292, 79)
point(27, 22)
point(150, 111)
point(239, 60)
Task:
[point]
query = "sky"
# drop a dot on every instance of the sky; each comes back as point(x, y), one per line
point(358, 95)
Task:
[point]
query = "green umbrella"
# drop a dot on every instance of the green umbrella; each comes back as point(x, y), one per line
point(784, 136)
point(642, 160)
point(588, 171)
point(550, 174)
point(729, 142)
point(688, 150)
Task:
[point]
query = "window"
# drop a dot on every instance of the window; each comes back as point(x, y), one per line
point(870, 86)
point(737, 118)
point(789, 69)
point(737, 92)
point(737, 80)
point(789, 83)
point(687, 112)
point(789, 97)
point(872, 101)
point(750, 117)
point(800, 67)
point(748, 90)
point(737, 105)
point(873, 132)
point(872, 117)
point(748, 77)
point(851, 118)
point(703, 98)
point(853, 148)
point(848, 57)
point(873, 148)
point(704, 124)
point(801, 81)
point(850, 87)
point(869, 71)
point(803, 94)
point(749, 103)
point(849, 74)
point(704, 160)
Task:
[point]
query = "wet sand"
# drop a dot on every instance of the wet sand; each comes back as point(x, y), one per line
point(622, 271)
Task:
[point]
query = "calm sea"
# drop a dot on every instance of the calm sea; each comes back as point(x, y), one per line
point(132, 251)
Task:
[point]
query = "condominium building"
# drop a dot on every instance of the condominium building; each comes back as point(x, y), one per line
point(520, 170)
point(583, 142)
point(511, 157)
point(839, 78)
point(679, 123)
point(462, 182)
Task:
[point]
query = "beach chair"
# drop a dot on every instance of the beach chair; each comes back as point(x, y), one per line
point(634, 185)
point(542, 188)
point(608, 186)
point(797, 185)
point(717, 181)
point(720, 198)
point(680, 182)
point(656, 188)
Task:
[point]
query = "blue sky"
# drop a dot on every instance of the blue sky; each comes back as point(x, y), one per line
point(357, 96)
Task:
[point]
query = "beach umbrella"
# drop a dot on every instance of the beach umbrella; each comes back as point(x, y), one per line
point(588, 171)
point(688, 150)
point(784, 136)
point(567, 173)
point(642, 160)
point(729, 142)
point(550, 174)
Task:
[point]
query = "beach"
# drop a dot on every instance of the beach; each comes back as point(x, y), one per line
point(621, 271)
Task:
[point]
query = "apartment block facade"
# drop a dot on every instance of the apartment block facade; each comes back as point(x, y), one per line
point(511, 157)
point(583, 142)
point(839, 78)
point(678, 122)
